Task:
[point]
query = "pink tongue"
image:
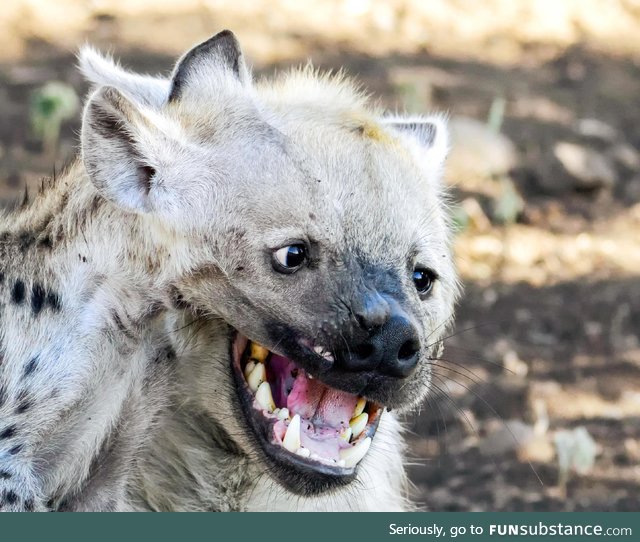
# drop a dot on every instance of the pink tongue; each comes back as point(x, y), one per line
point(310, 398)
point(321, 405)
point(325, 412)
point(335, 408)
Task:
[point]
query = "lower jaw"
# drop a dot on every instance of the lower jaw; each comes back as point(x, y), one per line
point(298, 474)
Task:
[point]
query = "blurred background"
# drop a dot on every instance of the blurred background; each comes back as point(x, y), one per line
point(536, 405)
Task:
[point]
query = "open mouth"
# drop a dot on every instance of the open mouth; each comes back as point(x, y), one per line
point(302, 423)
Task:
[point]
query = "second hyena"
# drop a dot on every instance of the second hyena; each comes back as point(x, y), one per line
point(214, 308)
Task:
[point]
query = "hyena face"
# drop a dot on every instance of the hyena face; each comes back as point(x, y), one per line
point(313, 227)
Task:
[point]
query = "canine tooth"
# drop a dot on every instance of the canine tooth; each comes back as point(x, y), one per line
point(251, 365)
point(258, 352)
point(283, 413)
point(322, 351)
point(303, 452)
point(257, 376)
point(341, 463)
point(362, 402)
point(352, 456)
point(291, 439)
point(358, 424)
point(264, 397)
point(346, 434)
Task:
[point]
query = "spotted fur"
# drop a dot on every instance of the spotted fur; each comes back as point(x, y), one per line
point(122, 281)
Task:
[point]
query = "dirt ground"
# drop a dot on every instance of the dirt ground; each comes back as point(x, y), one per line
point(548, 331)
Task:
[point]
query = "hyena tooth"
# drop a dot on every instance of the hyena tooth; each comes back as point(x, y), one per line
point(258, 352)
point(353, 455)
point(264, 397)
point(303, 452)
point(346, 434)
point(341, 463)
point(291, 439)
point(251, 365)
point(318, 350)
point(283, 413)
point(362, 402)
point(257, 376)
point(358, 424)
point(328, 356)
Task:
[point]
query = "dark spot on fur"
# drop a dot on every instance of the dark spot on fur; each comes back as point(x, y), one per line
point(3, 395)
point(37, 298)
point(177, 298)
point(169, 355)
point(8, 432)
point(45, 242)
point(53, 300)
point(17, 292)
point(1, 277)
point(24, 403)
point(240, 268)
point(96, 202)
point(16, 449)
point(4, 474)
point(23, 406)
point(122, 327)
point(26, 239)
point(312, 216)
point(10, 497)
point(28, 505)
point(31, 366)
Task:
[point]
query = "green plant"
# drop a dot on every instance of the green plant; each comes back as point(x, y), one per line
point(51, 105)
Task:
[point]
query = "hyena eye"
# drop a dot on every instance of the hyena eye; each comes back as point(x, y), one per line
point(290, 258)
point(423, 279)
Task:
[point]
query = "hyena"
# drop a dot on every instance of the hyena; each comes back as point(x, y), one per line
point(218, 306)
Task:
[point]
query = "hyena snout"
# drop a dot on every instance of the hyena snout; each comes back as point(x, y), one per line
point(387, 341)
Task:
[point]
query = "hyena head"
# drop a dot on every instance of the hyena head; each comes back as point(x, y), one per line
point(312, 226)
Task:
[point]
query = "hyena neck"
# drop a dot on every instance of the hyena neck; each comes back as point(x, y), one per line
point(80, 337)
point(69, 228)
point(196, 447)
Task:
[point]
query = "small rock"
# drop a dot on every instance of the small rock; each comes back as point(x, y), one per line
point(477, 151)
point(596, 128)
point(589, 168)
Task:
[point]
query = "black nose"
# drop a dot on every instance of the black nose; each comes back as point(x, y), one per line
point(392, 346)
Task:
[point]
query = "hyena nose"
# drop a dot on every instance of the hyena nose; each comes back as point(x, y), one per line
point(392, 346)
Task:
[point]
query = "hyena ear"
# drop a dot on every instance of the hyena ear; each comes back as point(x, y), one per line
point(123, 144)
point(215, 61)
point(430, 133)
point(102, 71)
